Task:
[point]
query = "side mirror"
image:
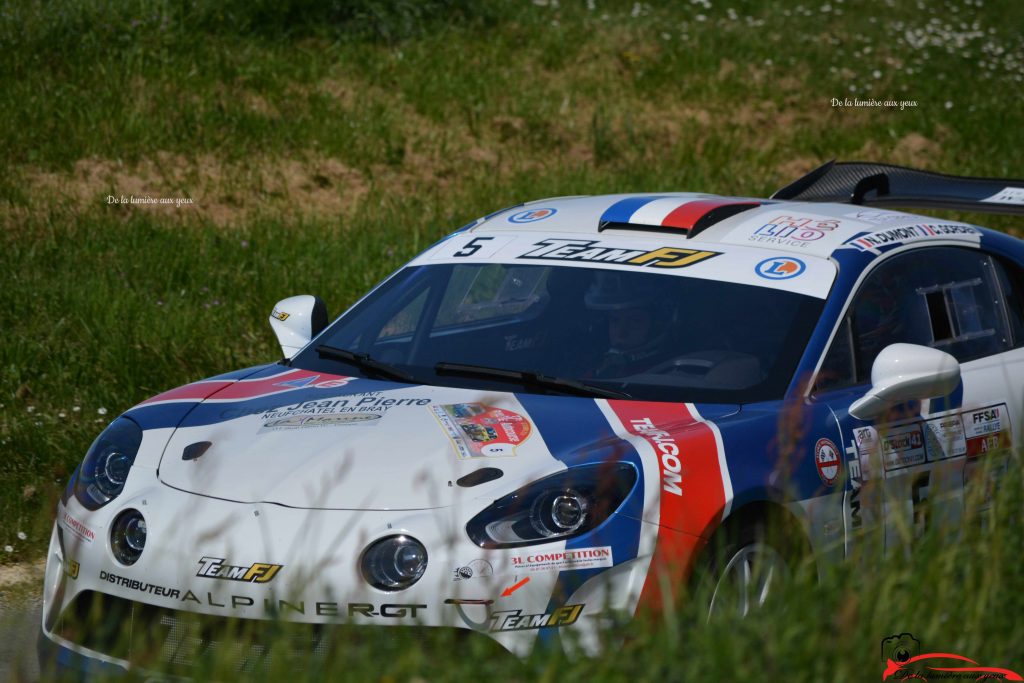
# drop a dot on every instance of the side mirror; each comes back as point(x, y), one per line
point(296, 320)
point(906, 372)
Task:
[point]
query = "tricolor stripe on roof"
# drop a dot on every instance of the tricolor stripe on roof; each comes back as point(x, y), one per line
point(668, 212)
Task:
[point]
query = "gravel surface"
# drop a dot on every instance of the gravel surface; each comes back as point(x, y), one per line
point(21, 606)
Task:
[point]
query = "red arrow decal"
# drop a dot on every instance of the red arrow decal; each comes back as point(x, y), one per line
point(514, 587)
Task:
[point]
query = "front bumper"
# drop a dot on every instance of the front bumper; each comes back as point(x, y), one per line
point(318, 591)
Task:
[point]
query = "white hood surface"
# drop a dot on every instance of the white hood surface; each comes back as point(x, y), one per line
point(399, 449)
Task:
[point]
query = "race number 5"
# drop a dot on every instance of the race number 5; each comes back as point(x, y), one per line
point(473, 246)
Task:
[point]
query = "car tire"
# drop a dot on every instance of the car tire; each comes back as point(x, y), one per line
point(745, 566)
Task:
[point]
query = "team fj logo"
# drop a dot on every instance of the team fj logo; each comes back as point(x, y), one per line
point(72, 568)
point(258, 572)
point(596, 252)
point(532, 215)
point(780, 268)
point(903, 662)
point(515, 620)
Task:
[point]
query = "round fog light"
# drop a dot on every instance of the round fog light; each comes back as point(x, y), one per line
point(394, 563)
point(128, 537)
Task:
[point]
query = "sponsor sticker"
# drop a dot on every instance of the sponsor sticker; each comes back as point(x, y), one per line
point(299, 421)
point(793, 231)
point(865, 442)
point(563, 560)
point(780, 268)
point(474, 569)
point(359, 409)
point(668, 452)
point(901, 446)
point(366, 609)
point(910, 233)
point(515, 620)
point(986, 429)
point(141, 586)
point(826, 458)
point(477, 430)
point(270, 606)
point(280, 315)
point(1007, 195)
point(76, 527)
point(595, 251)
point(257, 572)
point(879, 217)
point(531, 215)
point(312, 383)
point(72, 568)
point(944, 438)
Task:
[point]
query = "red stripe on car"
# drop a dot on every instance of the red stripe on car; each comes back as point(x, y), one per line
point(691, 489)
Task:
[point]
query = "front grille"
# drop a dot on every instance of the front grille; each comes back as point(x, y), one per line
point(185, 643)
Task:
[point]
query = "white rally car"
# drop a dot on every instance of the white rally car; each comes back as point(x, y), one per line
point(539, 424)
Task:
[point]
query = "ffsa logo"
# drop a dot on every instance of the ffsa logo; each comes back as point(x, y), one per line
point(257, 572)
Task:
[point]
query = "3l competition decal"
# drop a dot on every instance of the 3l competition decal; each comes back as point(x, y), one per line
point(478, 430)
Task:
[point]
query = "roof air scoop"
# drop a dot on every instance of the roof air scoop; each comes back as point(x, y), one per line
point(672, 215)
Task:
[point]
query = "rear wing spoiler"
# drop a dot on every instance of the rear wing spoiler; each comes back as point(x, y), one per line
point(870, 184)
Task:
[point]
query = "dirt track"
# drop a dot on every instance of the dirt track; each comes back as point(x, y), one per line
point(20, 614)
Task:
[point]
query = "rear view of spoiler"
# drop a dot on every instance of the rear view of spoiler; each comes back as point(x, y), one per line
point(868, 184)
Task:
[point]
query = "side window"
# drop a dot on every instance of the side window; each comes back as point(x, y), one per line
point(948, 298)
point(838, 370)
point(1011, 284)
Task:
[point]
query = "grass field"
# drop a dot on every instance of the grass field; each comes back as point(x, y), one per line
point(316, 146)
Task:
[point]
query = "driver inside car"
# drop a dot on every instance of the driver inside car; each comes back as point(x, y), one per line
point(637, 329)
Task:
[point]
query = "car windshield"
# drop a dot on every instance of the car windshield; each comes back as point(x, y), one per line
point(650, 336)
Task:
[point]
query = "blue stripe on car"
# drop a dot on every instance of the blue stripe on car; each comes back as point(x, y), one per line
point(577, 433)
point(622, 210)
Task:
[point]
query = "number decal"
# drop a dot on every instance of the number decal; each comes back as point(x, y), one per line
point(472, 246)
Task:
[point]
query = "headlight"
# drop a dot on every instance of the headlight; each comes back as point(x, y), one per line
point(555, 508)
point(105, 469)
point(394, 563)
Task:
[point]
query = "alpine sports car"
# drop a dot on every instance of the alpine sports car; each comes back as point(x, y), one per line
point(540, 423)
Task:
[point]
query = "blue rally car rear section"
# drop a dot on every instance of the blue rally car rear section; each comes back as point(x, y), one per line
point(538, 425)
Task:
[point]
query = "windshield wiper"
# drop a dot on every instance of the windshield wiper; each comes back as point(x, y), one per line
point(535, 379)
point(364, 362)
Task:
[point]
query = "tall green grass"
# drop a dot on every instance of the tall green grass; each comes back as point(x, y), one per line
point(956, 589)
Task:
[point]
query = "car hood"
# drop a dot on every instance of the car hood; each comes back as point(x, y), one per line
point(308, 440)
